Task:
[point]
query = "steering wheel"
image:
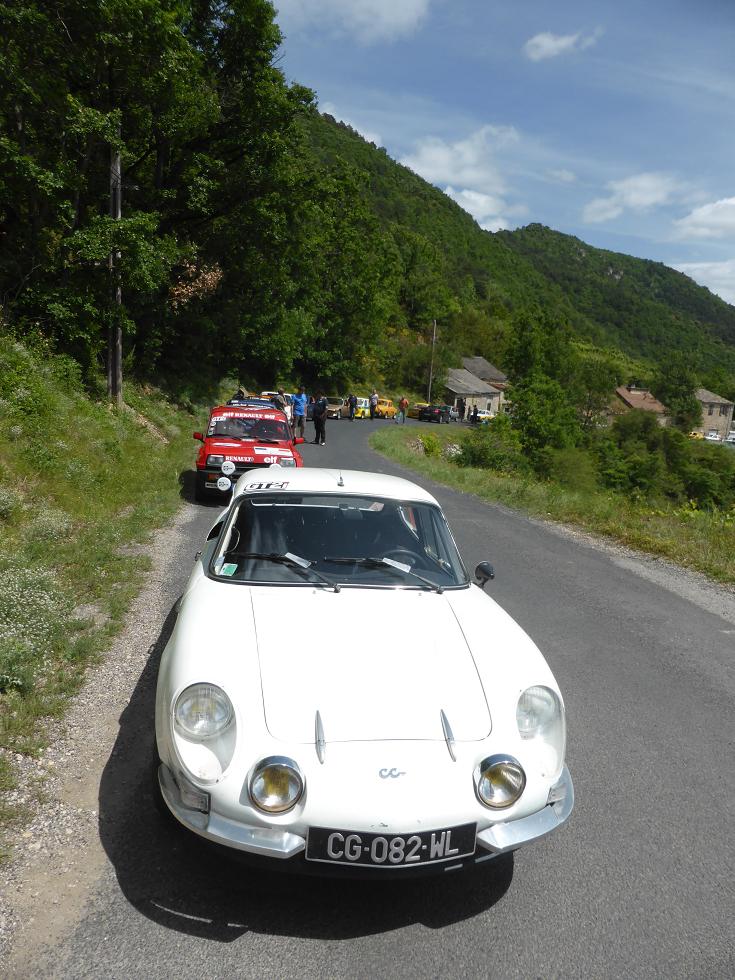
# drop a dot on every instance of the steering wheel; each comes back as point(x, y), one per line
point(402, 554)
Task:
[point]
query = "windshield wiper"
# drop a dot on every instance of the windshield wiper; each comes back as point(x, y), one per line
point(288, 559)
point(387, 563)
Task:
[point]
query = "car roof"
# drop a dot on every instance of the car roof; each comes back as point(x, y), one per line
point(312, 479)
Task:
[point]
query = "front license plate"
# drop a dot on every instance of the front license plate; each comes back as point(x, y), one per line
point(390, 850)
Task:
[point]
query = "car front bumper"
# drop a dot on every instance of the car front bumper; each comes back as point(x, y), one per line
point(284, 846)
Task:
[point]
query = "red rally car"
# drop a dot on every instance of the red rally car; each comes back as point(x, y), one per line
point(240, 438)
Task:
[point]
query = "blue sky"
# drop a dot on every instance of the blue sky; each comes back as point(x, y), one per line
point(612, 121)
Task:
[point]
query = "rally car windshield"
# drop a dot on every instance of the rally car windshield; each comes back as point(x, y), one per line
point(350, 540)
point(264, 430)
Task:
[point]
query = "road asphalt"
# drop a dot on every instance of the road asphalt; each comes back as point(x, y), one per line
point(638, 884)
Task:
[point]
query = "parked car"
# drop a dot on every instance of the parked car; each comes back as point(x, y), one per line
point(435, 413)
point(713, 436)
point(385, 409)
point(289, 402)
point(415, 409)
point(336, 407)
point(241, 437)
point(363, 408)
point(730, 438)
point(413, 728)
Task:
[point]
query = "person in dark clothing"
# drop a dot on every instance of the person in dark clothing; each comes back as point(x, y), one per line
point(473, 417)
point(461, 406)
point(352, 405)
point(320, 420)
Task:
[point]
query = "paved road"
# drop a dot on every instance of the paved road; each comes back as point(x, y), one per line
point(639, 883)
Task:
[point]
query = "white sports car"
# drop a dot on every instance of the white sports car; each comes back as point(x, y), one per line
point(338, 696)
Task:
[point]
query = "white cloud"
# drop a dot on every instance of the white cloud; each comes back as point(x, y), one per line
point(563, 176)
point(717, 276)
point(714, 220)
point(468, 163)
point(548, 45)
point(367, 20)
point(367, 134)
point(637, 193)
point(486, 209)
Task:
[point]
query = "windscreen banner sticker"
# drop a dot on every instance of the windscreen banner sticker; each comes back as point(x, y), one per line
point(267, 486)
point(270, 451)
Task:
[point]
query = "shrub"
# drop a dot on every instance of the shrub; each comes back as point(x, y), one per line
point(575, 469)
point(10, 503)
point(494, 446)
point(432, 446)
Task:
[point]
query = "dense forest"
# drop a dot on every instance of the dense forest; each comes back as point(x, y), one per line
point(261, 239)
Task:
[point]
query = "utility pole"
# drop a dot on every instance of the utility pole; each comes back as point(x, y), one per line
point(431, 367)
point(114, 334)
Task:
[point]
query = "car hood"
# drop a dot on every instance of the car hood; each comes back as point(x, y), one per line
point(238, 448)
point(375, 663)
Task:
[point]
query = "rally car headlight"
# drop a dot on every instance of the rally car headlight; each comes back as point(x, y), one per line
point(276, 784)
point(499, 781)
point(203, 711)
point(540, 717)
point(287, 461)
point(215, 460)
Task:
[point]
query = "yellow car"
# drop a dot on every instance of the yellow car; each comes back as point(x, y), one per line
point(362, 411)
point(414, 410)
point(385, 409)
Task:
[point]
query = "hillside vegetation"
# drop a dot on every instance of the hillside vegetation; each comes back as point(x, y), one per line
point(81, 488)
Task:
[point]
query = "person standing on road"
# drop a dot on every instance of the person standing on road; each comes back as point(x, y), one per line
point(320, 420)
point(402, 409)
point(461, 405)
point(373, 403)
point(352, 405)
point(279, 401)
point(299, 403)
point(473, 417)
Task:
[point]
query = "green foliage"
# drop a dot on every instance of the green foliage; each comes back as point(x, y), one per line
point(495, 445)
point(674, 385)
point(543, 416)
point(432, 445)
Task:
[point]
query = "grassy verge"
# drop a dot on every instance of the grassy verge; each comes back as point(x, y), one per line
point(81, 489)
point(703, 540)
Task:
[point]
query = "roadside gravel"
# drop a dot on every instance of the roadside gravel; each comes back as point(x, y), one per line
point(58, 851)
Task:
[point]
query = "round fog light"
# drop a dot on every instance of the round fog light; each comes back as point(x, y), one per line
point(276, 785)
point(499, 781)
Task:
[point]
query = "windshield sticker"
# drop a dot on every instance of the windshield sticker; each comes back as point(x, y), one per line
point(270, 451)
point(267, 486)
point(228, 569)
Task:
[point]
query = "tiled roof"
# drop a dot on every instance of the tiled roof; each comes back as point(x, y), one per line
point(640, 398)
point(461, 382)
point(483, 369)
point(702, 395)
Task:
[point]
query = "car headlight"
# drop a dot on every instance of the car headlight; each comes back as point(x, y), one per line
point(540, 716)
point(499, 781)
point(202, 712)
point(276, 784)
point(215, 460)
point(287, 461)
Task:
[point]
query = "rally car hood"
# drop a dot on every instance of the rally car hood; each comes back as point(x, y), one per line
point(376, 664)
point(238, 449)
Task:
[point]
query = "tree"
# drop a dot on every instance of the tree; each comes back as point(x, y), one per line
point(674, 385)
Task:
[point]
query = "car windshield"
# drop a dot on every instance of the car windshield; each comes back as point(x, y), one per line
point(238, 427)
point(350, 540)
point(334, 401)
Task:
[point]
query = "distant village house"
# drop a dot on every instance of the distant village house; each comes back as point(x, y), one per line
point(717, 413)
point(628, 397)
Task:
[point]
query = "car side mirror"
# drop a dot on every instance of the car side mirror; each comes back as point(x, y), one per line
point(483, 573)
point(299, 440)
point(199, 436)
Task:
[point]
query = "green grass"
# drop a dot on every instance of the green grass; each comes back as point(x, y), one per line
point(80, 486)
point(702, 540)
